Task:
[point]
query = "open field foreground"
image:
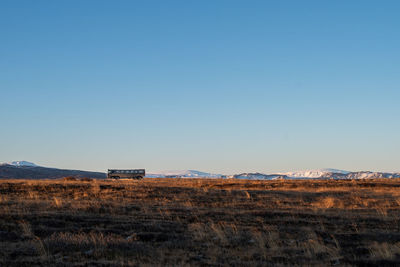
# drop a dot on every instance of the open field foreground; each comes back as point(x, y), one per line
point(199, 222)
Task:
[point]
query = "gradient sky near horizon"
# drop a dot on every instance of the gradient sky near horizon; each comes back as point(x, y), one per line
point(220, 86)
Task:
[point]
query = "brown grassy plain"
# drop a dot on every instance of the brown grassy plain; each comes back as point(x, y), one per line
point(201, 222)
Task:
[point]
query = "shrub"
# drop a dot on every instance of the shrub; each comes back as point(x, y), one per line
point(70, 178)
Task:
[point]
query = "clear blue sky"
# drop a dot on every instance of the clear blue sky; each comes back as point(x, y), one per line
point(219, 86)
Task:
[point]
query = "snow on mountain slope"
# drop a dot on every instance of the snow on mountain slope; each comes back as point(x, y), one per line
point(257, 176)
point(314, 173)
point(182, 174)
point(372, 175)
point(21, 163)
point(317, 174)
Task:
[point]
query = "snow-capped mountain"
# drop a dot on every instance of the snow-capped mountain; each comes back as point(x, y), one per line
point(315, 173)
point(257, 176)
point(21, 163)
point(372, 175)
point(182, 174)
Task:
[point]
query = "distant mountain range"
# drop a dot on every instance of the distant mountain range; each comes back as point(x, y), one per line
point(317, 174)
point(183, 174)
point(307, 174)
point(29, 170)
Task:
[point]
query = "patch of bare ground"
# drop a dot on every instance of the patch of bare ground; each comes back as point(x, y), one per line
point(206, 222)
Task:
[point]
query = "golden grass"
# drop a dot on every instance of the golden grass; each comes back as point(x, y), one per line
point(199, 222)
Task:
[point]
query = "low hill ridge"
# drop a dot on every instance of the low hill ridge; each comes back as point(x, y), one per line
point(32, 171)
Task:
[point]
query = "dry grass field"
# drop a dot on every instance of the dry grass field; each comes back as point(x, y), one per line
point(201, 222)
